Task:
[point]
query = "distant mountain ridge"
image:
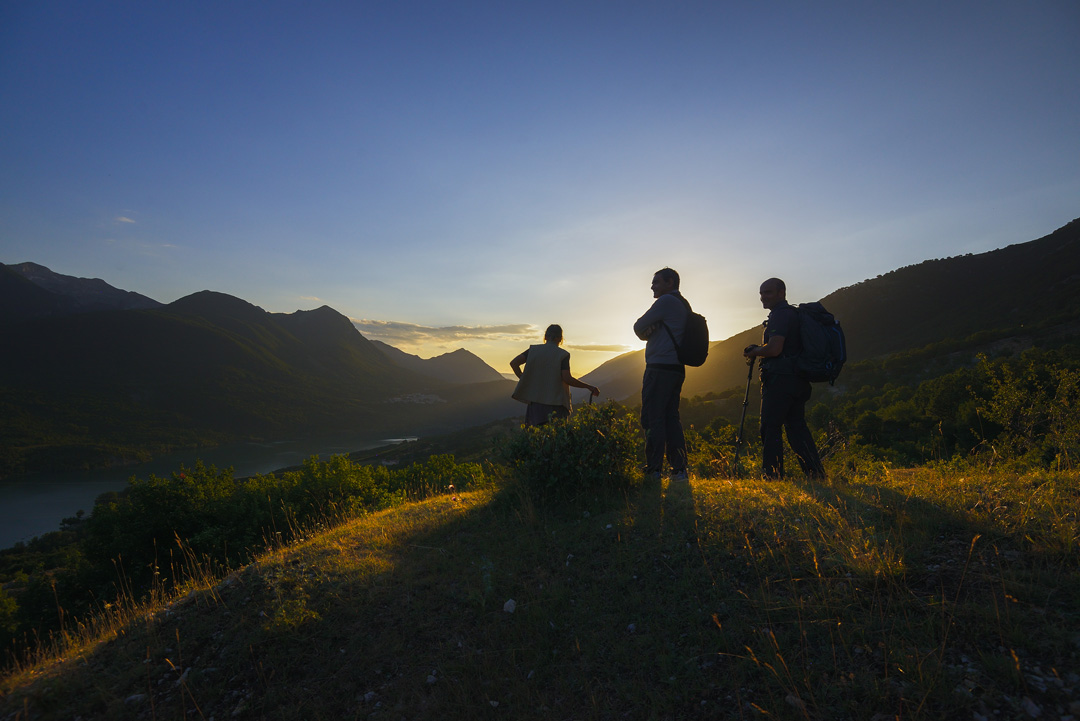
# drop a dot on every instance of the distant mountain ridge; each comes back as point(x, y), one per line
point(459, 366)
point(80, 388)
point(55, 294)
point(67, 294)
point(1021, 285)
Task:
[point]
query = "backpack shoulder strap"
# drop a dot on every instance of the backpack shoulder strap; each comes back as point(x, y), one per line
point(689, 310)
point(671, 335)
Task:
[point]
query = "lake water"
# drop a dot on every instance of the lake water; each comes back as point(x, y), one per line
point(35, 504)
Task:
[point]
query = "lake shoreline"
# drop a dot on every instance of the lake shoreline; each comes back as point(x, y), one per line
point(34, 504)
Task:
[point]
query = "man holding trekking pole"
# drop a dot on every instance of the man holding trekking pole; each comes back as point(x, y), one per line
point(783, 393)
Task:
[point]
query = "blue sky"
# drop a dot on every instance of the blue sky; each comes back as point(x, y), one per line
point(461, 174)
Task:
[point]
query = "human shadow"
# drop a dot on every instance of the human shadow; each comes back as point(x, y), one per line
point(665, 511)
point(648, 511)
point(679, 513)
point(892, 506)
point(937, 543)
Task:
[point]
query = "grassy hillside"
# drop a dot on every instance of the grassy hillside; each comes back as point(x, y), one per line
point(904, 594)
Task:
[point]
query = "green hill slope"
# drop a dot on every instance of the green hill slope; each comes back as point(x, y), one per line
point(909, 592)
point(1020, 285)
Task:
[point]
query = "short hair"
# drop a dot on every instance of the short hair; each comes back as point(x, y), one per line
point(668, 275)
point(780, 287)
point(553, 332)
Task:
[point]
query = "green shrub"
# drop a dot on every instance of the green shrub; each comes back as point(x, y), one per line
point(711, 450)
point(439, 474)
point(8, 618)
point(596, 449)
point(1035, 404)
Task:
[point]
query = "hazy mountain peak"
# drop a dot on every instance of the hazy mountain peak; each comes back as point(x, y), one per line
point(211, 302)
point(458, 366)
point(81, 295)
point(319, 324)
point(324, 314)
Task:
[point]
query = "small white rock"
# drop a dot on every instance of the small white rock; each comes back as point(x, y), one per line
point(510, 606)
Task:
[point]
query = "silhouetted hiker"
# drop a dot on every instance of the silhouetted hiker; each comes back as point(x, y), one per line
point(545, 383)
point(664, 375)
point(783, 394)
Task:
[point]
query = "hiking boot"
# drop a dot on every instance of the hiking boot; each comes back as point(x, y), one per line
point(680, 476)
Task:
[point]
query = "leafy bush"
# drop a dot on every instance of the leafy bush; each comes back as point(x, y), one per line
point(1035, 403)
point(441, 474)
point(8, 620)
point(595, 449)
point(1015, 409)
point(711, 450)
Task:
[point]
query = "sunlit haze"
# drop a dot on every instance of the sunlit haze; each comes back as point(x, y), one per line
point(462, 174)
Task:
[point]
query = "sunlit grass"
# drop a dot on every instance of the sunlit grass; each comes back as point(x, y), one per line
point(902, 594)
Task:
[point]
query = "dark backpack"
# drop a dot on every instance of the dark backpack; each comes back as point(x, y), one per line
point(824, 348)
point(695, 343)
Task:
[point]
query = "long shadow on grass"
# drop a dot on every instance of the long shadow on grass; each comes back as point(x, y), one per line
point(935, 541)
point(889, 508)
point(665, 514)
point(648, 514)
point(415, 616)
point(679, 515)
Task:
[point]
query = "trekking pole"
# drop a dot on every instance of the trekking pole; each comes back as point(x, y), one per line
point(745, 403)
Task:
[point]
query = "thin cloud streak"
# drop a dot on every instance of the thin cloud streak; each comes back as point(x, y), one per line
point(601, 348)
point(414, 334)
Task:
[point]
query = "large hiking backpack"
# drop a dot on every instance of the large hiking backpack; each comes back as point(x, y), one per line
point(824, 348)
point(695, 343)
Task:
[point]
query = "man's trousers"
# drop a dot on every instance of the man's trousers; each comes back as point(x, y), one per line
point(660, 391)
point(783, 406)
